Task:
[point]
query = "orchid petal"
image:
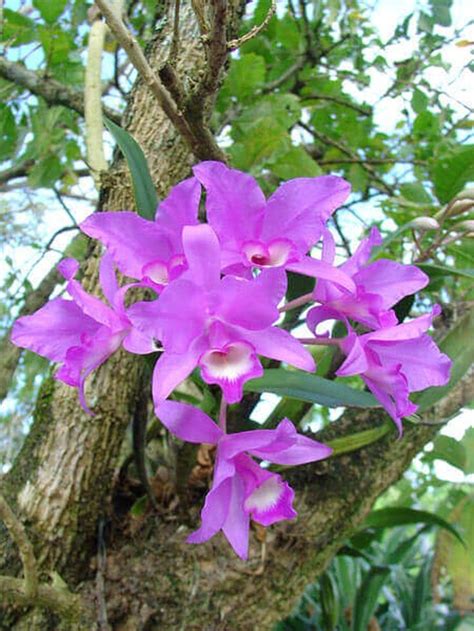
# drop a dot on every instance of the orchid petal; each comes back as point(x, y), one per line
point(171, 369)
point(281, 345)
point(319, 269)
point(133, 242)
point(202, 251)
point(53, 329)
point(234, 202)
point(188, 423)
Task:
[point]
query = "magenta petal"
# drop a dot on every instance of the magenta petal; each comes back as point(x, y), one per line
point(423, 364)
point(214, 513)
point(319, 269)
point(271, 502)
point(299, 208)
point(80, 361)
point(390, 280)
point(202, 251)
point(230, 367)
point(281, 345)
point(406, 330)
point(322, 314)
point(108, 278)
point(251, 304)
point(171, 369)
point(362, 255)
point(179, 209)
point(236, 525)
point(176, 318)
point(301, 451)
point(188, 423)
point(132, 241)
point(234, 202)
point(53, 329)
point(138, 343)
point(356, 361)
point(68, 268)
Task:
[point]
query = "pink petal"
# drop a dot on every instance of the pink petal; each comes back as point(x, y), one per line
point(171, 369)
point(234, 202)
point(53, 329)
point(251, 304)
point(188, 423)
point(362, 255)
point(281, 345)
point(230, 366)
point(214, 513)
point(179, 209)
point(133, 242)
point(390, 280)
point(202, 251)
point(422, 363)
point(319, 269)
point(299, 208)
point(236, 525)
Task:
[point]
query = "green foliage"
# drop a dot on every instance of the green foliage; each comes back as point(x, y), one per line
point(143, 187)
point(310, 388)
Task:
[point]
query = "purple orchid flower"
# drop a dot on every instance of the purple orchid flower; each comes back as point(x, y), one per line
point(150, 251)
point(395, 361)
point(379, 286)
point(256, 233)
point(218, 324)
point(241, 489)
point(82, 333)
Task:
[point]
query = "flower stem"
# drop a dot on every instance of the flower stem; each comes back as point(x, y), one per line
point(319, 341)
point(297, 302)
point(223, 415)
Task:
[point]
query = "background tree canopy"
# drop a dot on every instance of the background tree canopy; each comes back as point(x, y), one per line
point(374, 92)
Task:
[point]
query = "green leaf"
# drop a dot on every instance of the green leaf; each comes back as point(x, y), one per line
point(352, 442)
point(295, 163)
point(441, 12)
point(17, 28)
point(435, 271)
point(245, 76)
point(143, 187)
point(367, 597)
point(415, 192)
point(310, 388)
point(452, 172)
point(400, 516)
point(419, 101)
point(50, 9)
point(450, 450)
point(8, 132)
point(459, 346)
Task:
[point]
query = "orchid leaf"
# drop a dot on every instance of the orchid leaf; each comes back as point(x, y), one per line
point(310, 388)
point(400, 516)
point(143, 187)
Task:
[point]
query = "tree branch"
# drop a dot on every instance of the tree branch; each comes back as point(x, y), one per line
point(203, 145)
point(27, 555)
point(52, 91)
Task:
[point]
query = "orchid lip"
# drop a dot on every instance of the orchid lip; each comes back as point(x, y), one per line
point(265, 496)
point(229, 362)
point(275, 253)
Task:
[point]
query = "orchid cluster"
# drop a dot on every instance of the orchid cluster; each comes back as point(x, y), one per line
point(219, 290)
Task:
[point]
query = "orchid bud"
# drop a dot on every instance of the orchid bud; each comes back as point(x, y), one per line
point(465, 226)
point(424, 223)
